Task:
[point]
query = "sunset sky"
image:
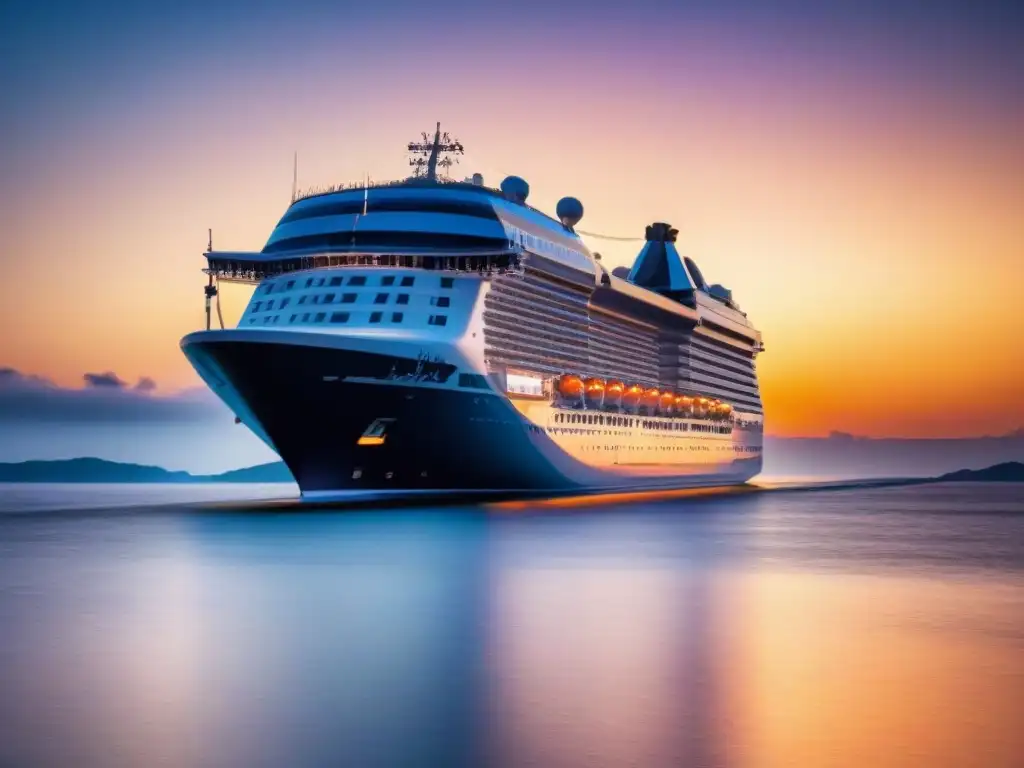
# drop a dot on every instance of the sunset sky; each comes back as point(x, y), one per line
point(855, 176)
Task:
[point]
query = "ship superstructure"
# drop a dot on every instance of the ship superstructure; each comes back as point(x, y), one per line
point(439, 335)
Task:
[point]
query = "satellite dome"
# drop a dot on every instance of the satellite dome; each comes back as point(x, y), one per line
point(515, 189)
point(569, 211)
point(478, 179)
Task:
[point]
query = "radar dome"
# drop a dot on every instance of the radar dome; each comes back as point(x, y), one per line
point(569, 211)
point(515, 188)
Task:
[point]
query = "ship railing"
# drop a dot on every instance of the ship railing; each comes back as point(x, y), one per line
point(330, 189)
point(255, 267)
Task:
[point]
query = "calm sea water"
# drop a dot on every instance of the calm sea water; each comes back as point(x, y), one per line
point(880, 627)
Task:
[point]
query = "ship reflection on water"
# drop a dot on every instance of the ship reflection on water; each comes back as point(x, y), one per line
point(872, 627)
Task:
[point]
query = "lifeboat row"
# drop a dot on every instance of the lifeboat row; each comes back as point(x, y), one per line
point(598, 394)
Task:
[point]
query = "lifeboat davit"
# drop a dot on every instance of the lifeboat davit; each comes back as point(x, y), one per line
point(593, 393)
point(570, 386)
point(631, 397)
point(667, 403)
point(613, 392)
point(650, 399)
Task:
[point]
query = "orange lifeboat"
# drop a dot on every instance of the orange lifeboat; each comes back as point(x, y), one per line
point(701, 406)
point(726, 410)
point(613, 393)
point(684, 404)
point(631, 397)
point(593, 393)
point(650, 399)
point(667, 403)
point(570, 386)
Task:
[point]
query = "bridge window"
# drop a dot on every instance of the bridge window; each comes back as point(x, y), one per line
point(320, 316)
point(292, 318)
point(339, 317)
point(402, 298)
point(328, 298)
point(440, 301)
point(387, 280)
point(348, 298)
point(270, 304)
point(447, 282)
point(285, 302)
point(256, 306)
point(407, 281)
point(438, 320)
point(380, 298)
point(396, 317)
point(335, 282)
point(357, 280)
point(289, 285)
point(376, 316)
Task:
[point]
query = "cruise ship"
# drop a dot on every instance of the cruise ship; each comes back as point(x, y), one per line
point(431, 335)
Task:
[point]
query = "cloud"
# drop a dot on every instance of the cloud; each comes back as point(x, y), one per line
point(105, 399)
point(108, 379)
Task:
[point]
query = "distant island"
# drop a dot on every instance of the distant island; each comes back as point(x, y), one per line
point(91, 470)
point(1008, 472)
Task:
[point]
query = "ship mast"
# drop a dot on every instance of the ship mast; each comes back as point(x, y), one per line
point(430, 154)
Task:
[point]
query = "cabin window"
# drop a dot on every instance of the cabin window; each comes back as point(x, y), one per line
point(447, 282)
point(348, 298)
point(402, 298)
point(339, 317)
point(285, 302)
point(292, 318)
point(440, 301)
point(357, 280)
point(407, 281)
point(335, 282)
point(320, 316)
point(268, 288)
point(256, 306)
point(387, 280)
point(328, 298)
point(305, 317)
point(396, 317)
point(376, 316)
point(438, 320)
point(309, 282)
point(270, 304)
point(380, 298)
point(289, 285)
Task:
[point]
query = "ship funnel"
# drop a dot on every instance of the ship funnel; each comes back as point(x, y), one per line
point(659, 268)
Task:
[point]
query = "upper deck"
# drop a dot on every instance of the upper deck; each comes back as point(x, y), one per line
point(460, 227)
